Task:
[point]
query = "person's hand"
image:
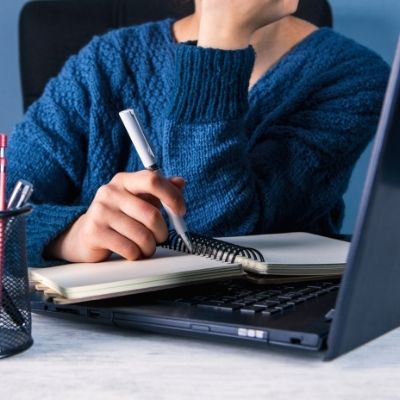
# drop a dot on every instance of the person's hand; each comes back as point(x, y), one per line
point(229, 24)
point(123, 218)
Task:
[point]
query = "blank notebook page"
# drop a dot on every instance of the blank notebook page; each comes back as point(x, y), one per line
point(296, 248)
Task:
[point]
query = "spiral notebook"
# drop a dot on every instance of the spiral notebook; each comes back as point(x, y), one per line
point(289, 255)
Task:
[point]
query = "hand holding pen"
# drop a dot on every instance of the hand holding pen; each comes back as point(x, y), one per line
point(124, 218)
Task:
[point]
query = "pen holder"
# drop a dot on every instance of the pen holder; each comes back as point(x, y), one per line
point(15, 313)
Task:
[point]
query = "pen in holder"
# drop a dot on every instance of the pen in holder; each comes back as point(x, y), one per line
point(15, 313)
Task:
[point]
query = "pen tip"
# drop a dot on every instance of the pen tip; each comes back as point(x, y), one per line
point(187, 242)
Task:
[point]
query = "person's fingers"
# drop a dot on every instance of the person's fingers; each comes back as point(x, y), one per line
point(143, 208)
point(109, 239)
point(147, 215)
point(135, 232)
point(154, 184)
point(150, 199)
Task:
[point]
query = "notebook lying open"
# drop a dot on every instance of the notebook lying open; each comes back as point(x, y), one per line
point(320, 315)
point(279, 255)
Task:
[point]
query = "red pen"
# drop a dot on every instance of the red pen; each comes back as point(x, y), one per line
point(3, 172)
point(3, 204)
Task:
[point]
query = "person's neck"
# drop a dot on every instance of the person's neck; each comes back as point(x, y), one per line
point(273, 41)
point(270, 42)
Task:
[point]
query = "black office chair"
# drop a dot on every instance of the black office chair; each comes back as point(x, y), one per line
point(52, 30)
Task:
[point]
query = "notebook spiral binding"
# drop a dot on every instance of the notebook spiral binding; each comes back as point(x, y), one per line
point(212, 248)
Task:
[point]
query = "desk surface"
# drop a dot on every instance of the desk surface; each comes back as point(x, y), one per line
point(71, 360)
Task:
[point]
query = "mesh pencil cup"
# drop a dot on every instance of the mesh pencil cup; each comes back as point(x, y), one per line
point(15, 313)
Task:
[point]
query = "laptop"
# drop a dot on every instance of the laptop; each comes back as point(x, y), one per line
point(326, 315)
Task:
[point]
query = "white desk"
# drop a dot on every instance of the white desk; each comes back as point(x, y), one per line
point(70, 360)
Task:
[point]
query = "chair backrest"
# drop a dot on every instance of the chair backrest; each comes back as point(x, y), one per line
point(52, 30)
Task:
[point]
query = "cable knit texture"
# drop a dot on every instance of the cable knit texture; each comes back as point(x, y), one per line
point(274, 158)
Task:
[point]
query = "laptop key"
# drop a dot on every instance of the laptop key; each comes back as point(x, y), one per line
point(260, 298)
point(224, 307)
point(315, 287)
point(250, 298)
point(271, 311)
point(267, 303)
point(242, 303)
point(252, 309)
point(265, 293)
point(184, 302)
point(243, 293)
point(273, 292)
point(326, 284)
point(308, 297)
point(292, 294)
point(227, 307)
point(305, 291)
point(212, 305)
point(329, 315)
point(228, 298)
point(284, 298)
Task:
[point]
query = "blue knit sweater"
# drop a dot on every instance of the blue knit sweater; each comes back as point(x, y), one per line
point(275, 158)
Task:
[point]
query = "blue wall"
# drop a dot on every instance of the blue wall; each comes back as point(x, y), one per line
point(375, 24)
point(10, 99)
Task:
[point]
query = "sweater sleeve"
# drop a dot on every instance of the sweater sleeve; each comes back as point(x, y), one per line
point(48, 148)
point(285, 178)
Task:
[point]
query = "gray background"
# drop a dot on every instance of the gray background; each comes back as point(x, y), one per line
point(374, 23)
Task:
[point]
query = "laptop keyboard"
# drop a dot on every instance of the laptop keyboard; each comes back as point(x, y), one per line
point(236, 297)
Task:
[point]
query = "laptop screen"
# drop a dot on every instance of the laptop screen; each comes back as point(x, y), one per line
point(369, 298)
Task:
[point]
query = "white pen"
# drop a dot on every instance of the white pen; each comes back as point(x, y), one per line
point(149, 161)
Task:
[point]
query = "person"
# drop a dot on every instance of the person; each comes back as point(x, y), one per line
point(257, 118)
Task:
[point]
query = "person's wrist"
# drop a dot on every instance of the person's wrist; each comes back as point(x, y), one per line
point(53, 250)
point(63, 246)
